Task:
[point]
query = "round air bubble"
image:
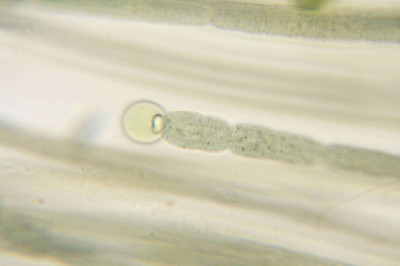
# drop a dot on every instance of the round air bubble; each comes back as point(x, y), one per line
point(143, 121)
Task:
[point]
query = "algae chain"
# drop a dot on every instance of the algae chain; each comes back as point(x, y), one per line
point(146, 122)
point(310, 21)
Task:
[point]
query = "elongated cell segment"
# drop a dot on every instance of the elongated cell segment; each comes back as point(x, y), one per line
point(259, 142)
point(192, 130)
point(362, 160)
point(143, 121)
point(309, 4)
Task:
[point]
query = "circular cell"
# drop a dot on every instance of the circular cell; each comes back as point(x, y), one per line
point(143, 121)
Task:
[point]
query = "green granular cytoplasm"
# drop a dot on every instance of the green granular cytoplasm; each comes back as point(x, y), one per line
point(192, 130)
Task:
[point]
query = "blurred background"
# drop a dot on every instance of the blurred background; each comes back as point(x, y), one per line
point(74, 190)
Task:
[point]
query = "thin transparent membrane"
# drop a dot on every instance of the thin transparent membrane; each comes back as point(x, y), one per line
point(275, 145)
